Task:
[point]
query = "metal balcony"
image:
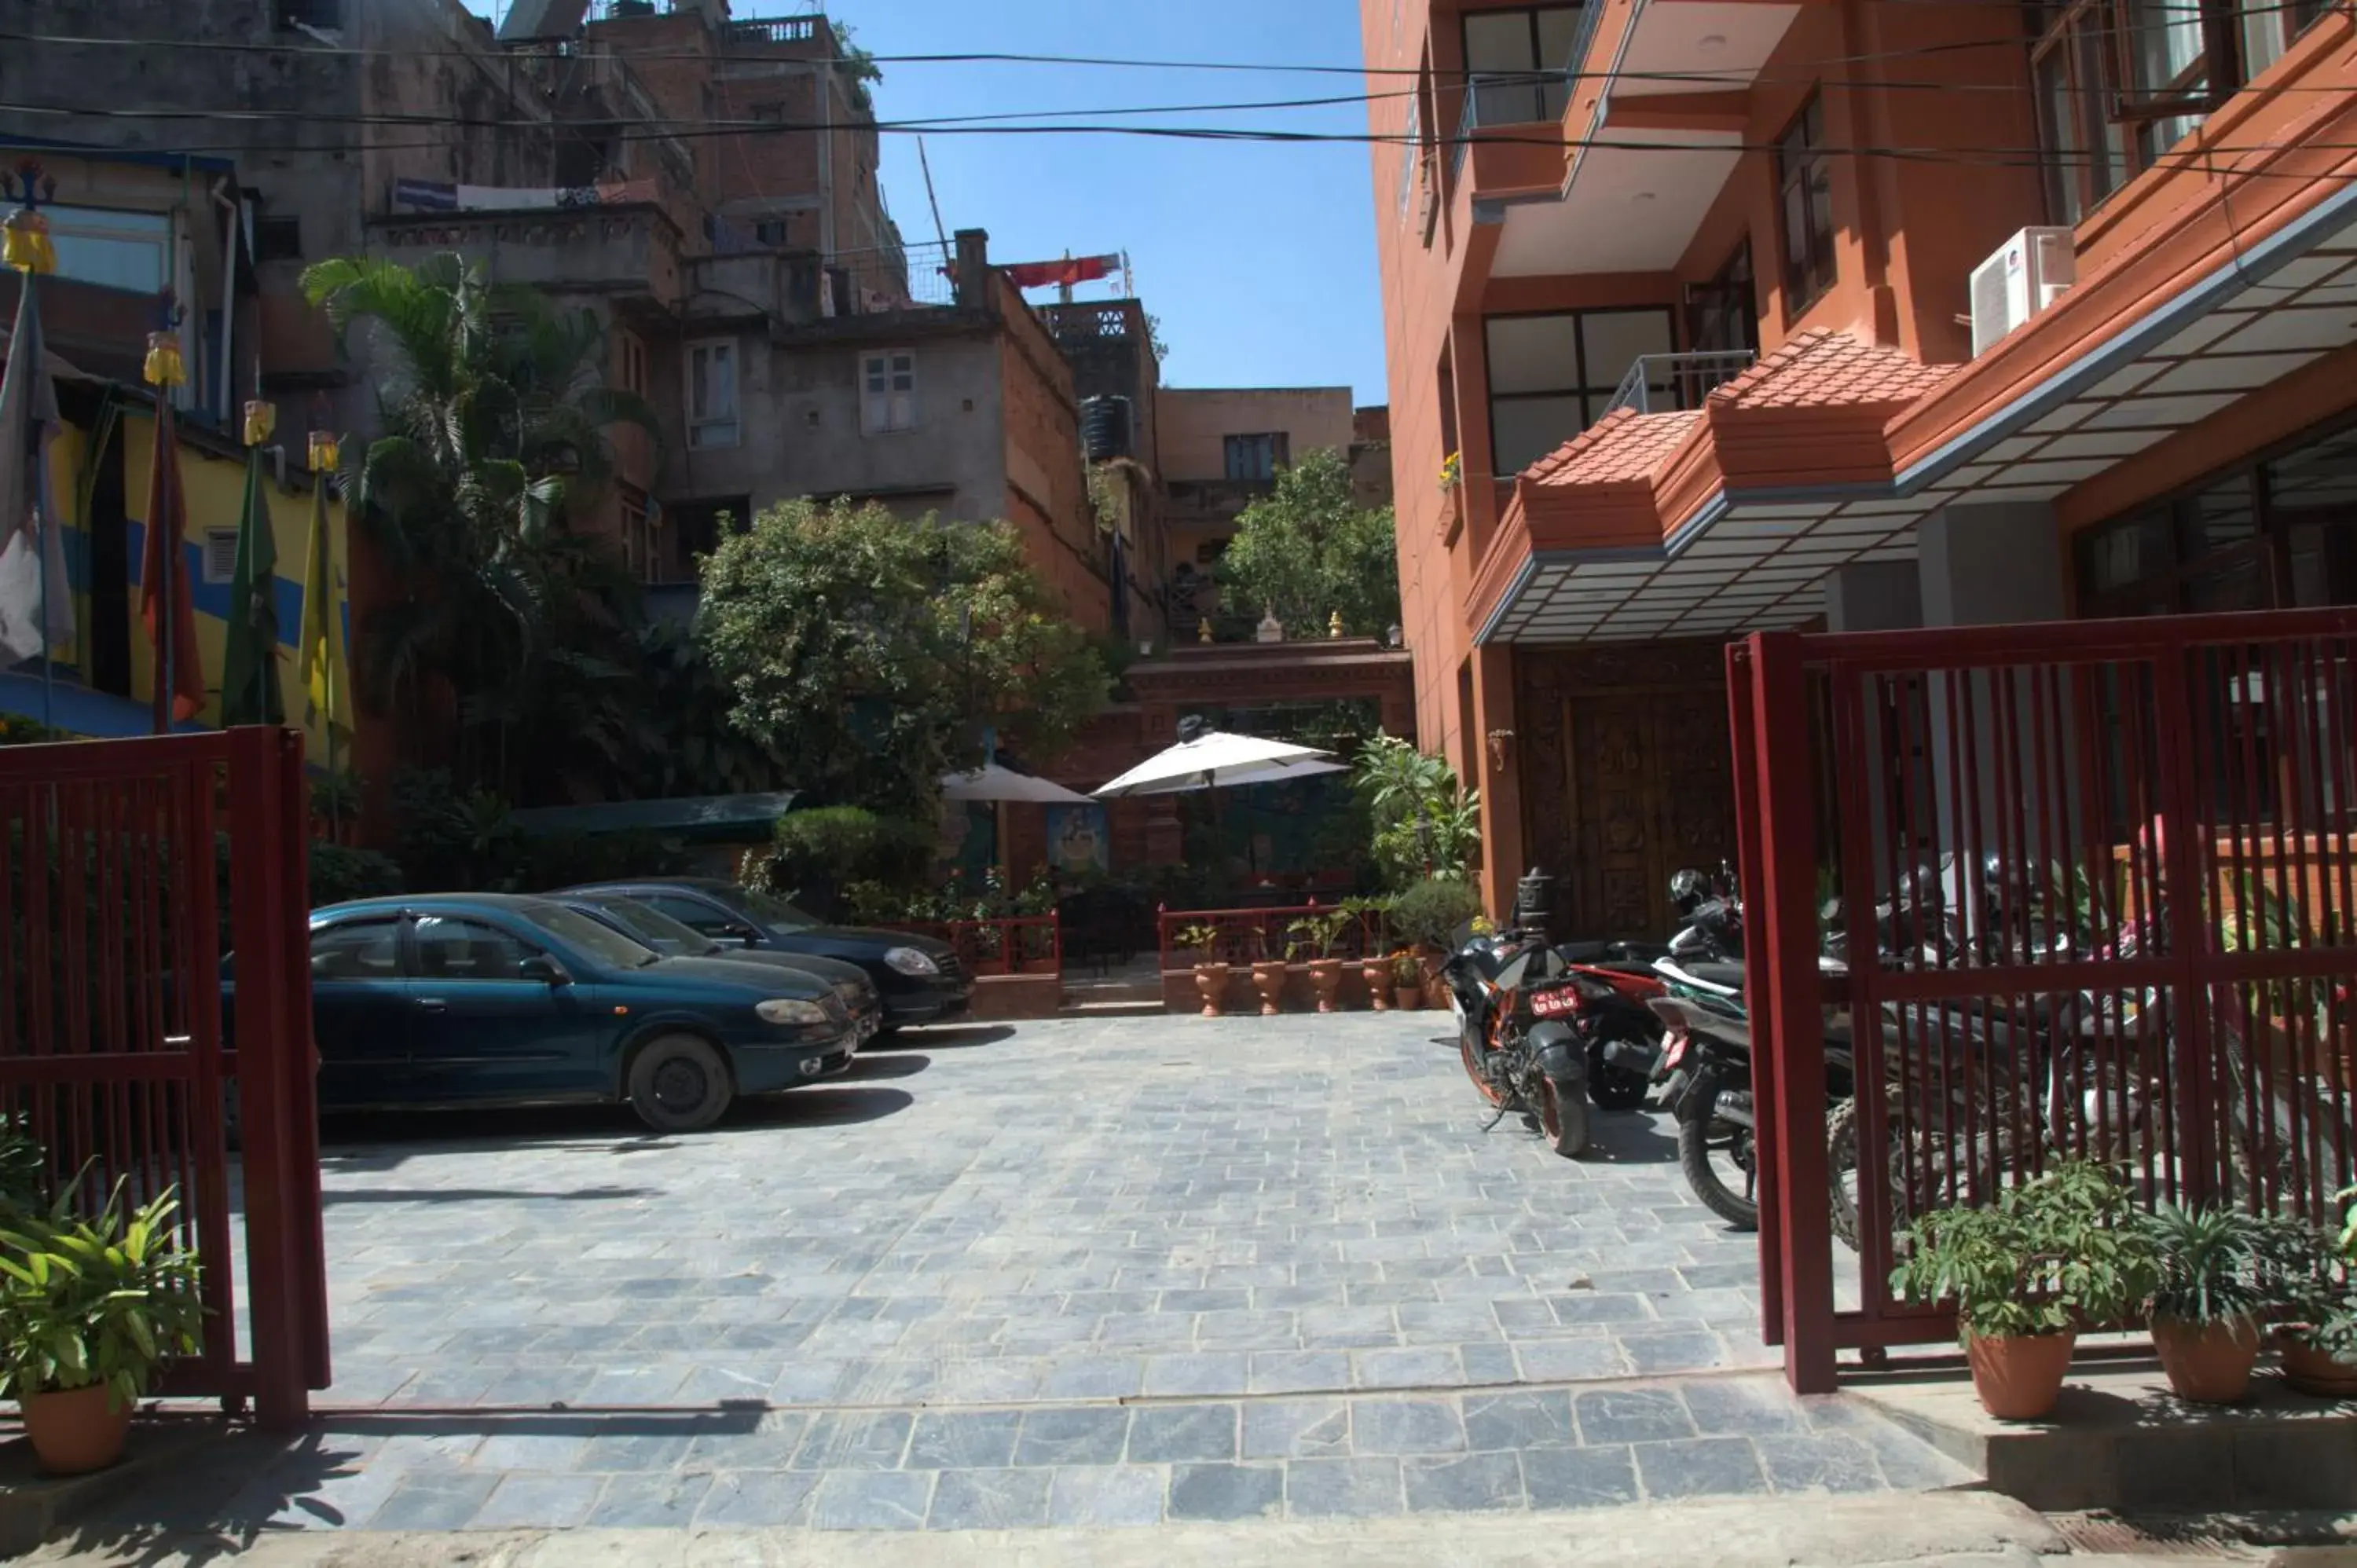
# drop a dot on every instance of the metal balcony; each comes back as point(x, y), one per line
point(1658, 384)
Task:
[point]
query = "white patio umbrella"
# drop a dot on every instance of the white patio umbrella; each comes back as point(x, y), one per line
point(1219, 760)
point(992, 783)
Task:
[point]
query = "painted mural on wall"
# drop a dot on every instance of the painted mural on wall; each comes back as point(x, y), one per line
point(1078, 839)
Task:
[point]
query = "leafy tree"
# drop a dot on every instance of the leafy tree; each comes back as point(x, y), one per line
point(700, 752)
point(1308, 550)
point(495, 419)
point(867, 651)
point(1427, 824)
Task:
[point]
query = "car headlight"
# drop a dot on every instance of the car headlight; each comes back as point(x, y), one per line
point(789, 1010)
point(909, 960)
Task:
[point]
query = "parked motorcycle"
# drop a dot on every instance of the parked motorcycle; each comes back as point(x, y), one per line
point(1519, 1061)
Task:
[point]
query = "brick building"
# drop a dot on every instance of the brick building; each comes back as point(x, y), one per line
point(1709, 364)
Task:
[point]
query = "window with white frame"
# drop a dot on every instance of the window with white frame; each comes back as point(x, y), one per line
point(130, 251)
point(712, 394)
point(887, 384)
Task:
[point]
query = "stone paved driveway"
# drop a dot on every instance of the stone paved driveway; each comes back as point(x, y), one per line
point(1085, 1271)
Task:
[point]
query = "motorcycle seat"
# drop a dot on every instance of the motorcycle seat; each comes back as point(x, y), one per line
point(1728, 974)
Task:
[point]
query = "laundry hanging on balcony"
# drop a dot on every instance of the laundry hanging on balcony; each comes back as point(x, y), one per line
point(1063, 274)
point(437, 196)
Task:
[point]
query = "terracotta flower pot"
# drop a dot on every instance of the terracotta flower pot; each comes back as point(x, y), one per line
point(1325, 981)
point(2210, 1364)
point(1269, 979)
point(1211, 985)
point(2019, 1379)
point(1377, 976)
point(75, 1432)
point(2315, 1372)
point(1410, 998)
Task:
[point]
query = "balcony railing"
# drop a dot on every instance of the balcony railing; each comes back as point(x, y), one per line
point(1658, 384)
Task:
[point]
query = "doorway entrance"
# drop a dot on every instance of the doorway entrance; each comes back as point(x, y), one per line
point(1626, 779)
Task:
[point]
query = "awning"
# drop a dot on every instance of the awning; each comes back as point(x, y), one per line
point(700, 819)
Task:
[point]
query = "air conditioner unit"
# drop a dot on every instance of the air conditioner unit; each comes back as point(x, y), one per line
point(2028, 274)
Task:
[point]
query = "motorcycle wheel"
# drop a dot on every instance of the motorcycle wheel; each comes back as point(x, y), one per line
point(1841, 1165)
point(1563, 1117)
point(1474, 1052)
point(1706, 1146)
point(1612, 1088)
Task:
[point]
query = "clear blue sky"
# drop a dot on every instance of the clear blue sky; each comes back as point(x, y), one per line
point(1258, 258)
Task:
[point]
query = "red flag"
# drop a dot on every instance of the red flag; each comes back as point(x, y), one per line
point(167, 528)
point(1070, 270)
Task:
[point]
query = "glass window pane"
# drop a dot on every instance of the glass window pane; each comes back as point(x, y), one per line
point(467, 949)
point(2218, 518)
point(2058, 129)
point(1500, 41)
point(1526, 429)
point(2168, 34)
point(2312, 565)
point(1614, 339)
point(2124, 553)
point(2238, 586)
point(1532, 353)
point(357, 950)
point(2265, 25)
point(2322, 474)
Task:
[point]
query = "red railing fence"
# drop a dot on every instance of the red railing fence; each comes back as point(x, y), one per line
point(1013, 944)
point(2095, 899)
point(130, 872)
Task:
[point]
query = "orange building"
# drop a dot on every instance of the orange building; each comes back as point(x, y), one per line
point(1741, 315)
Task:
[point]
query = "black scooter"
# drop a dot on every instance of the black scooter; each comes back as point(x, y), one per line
point(1517, 1060)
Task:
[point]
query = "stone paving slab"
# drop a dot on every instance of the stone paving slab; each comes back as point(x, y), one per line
point(1105, 1274)
point(1049, 1212)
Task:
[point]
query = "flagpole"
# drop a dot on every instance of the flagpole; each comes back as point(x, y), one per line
point(165, 620)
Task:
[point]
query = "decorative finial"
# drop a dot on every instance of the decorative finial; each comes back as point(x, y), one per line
point(1334, 624)
point(260, 422)
point(25, 234)
point(1203, 630)
point(324, 452)
point(163, 367)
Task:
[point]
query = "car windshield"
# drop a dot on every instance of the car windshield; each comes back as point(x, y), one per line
point(772, 911)
point(578, 931)
point(655, 928)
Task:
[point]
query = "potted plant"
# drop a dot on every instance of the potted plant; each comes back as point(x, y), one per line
point(90, 1307)
point(1319, 933)
point(1430, 915)
point(1375, 966)
point(1268, 974)
point(1408, 978)
point(2219, 1271)
point(2023, 1272)
point(1210, 971)
point(2320, 1352)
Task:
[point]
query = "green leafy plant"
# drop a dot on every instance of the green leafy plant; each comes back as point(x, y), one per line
point(1426, 824)
point(1321, 932)
point(819, 853)
point(2064, 1248)
point(1431, 912)
point(1204, 941)
point(2219, 1264)
point(339, 873)
point(2348, 1196)
point(1407, 966)
point(102, 1299)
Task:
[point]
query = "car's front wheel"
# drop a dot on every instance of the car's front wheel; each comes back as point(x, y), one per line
point(679, 1084)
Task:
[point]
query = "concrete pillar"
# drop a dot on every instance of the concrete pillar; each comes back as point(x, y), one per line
point(1501, 786)
point(973, 279)
point(1874, 596)
point(1991, 564)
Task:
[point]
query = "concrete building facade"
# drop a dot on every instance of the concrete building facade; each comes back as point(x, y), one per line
point(1707, 361)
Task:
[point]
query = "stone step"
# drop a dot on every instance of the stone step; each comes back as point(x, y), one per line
point(2119, 1440)
point(1110, 1007)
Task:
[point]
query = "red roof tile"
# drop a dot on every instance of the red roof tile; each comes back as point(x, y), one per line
point(1622, 445)
point(1824, 368)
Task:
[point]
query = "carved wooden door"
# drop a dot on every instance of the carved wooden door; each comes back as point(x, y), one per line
point(1627, 779)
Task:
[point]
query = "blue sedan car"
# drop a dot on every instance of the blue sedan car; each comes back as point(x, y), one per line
point(488, 999)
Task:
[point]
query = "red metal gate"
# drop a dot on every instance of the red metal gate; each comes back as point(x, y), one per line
point(2095, 896)
point(128, 869)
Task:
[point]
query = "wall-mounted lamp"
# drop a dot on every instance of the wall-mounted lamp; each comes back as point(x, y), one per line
point(1502, 747)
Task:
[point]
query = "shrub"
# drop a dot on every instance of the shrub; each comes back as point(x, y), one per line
point(2063, 1249)
point(339, 875)
point(819, 854)
point(1431, 912)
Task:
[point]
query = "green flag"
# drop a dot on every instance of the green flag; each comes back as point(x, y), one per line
point(250, 693)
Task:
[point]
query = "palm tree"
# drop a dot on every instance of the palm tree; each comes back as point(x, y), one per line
point(494, 413)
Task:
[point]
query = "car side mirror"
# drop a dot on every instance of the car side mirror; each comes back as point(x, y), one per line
point(545, 970)
point(743, 936)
